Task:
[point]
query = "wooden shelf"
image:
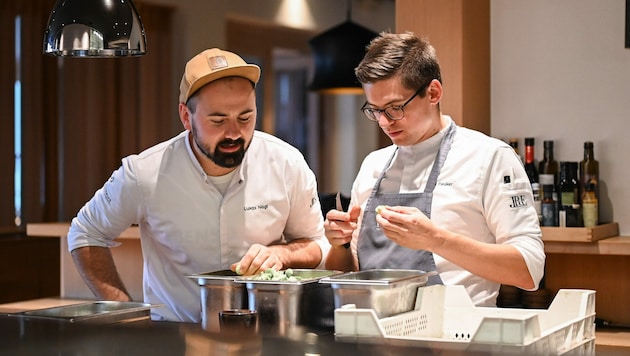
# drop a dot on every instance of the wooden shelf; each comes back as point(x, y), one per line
point(40, 303)
point(616, 245)
point(579, 234)
point(61, 230)
point(612, 337)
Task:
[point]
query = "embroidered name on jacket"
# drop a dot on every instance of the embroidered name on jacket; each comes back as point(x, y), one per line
point(518, 201)
point(256, 207)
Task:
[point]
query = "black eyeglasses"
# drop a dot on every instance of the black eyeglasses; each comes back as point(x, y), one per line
point(393, 112)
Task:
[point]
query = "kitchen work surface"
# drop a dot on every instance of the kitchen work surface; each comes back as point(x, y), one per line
point(35, 336)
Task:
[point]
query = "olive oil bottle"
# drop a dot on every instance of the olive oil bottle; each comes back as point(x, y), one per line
point(549, 165)
point(589, 186)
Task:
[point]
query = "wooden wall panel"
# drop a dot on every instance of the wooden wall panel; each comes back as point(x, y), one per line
point(29, 267)
point(609, 275)
point(460, 32)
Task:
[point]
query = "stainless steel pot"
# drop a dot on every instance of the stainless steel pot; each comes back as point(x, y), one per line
point(219, 291)
point(285, 305)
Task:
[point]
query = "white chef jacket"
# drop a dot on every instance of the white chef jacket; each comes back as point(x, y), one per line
point(482, 192)
point(187, 226)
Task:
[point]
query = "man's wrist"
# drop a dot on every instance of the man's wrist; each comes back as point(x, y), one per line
point(341, 247)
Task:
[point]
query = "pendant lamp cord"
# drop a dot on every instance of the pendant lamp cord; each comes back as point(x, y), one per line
point(349, 11)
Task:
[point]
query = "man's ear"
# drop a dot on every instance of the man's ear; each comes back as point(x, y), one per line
point(434, 91)
point(185, 116)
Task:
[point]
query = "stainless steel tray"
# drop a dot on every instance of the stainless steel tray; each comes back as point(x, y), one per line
point(386, 291)
point(97, 312)
point(221, 277)
point(379, 278)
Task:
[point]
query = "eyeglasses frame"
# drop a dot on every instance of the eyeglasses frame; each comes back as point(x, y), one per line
point(376, 117)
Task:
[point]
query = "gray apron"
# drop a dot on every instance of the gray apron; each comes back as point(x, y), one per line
point(374, 249)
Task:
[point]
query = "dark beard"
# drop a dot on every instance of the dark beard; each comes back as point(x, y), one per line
point(222, 159)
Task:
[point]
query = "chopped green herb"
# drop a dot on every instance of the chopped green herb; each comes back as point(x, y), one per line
point(281, 276)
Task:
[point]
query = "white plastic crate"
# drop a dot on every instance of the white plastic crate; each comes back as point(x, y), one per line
point(445, 317)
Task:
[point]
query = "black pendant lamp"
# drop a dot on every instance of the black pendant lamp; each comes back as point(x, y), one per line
point(337, 52)
point(94, 28)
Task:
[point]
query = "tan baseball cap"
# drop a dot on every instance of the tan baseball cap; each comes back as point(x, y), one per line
point(213, 64)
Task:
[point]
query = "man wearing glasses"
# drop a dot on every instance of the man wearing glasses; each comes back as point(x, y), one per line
point(440, 198)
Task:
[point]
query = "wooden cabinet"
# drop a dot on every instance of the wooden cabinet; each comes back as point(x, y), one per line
point(603, 265)
point(29, 267)
point(127, 256)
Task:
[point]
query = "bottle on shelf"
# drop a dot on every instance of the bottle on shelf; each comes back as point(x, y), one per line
point(530, 166)
point(570, 213)
point(590, 205)
point(549, 207)
point(514, 144)
point(549, 165)
point(589, 186)
point(548, 169)
point(548, 180)
point(537, 201)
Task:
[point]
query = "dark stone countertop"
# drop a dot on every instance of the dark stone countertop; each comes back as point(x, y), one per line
point(20, 335)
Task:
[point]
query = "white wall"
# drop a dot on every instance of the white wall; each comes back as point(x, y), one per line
point(560, 72)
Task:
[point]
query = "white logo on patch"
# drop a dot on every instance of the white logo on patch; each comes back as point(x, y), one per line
point(217, 62)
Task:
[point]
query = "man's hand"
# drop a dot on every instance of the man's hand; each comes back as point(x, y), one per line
point(408, 227)
point(340, 225)
point(257, 259)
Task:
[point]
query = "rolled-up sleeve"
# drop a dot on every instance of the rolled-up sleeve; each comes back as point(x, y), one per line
point(511, 213)
point(305, 217)
point(112, 209)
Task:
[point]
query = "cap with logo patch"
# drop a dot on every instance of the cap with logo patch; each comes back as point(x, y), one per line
point(213, 64)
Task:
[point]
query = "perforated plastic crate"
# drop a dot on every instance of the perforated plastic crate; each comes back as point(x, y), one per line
point(445, 317)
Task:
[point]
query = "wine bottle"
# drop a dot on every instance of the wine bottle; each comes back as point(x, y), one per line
point(549, 213)
point(589, 185)
point(570, 213)
point(530, 166)
point(548, 169)
point(549, 165)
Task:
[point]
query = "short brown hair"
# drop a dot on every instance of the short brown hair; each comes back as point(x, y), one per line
point(399, 54)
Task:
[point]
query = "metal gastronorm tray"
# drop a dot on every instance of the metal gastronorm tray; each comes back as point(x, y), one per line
point(221, 277)
point(97, 312)
point(379, 277)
